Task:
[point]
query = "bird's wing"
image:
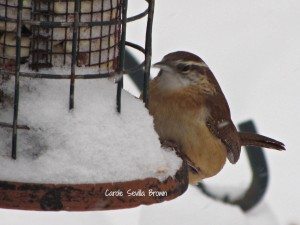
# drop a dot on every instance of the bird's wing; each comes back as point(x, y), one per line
point(219, 123)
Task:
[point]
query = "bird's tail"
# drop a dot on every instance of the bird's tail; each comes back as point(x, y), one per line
point(252, 139)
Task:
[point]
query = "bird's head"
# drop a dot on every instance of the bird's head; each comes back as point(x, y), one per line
point(182, 69)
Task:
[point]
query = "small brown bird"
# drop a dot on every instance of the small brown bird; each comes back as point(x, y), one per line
point(190, 109)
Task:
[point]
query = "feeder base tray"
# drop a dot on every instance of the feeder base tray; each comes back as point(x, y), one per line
point(91, 197)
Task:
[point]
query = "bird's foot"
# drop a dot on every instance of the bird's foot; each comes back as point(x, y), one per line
point(193, 168)
point(173, 145)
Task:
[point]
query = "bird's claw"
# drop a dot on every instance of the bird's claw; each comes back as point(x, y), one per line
point(170, 144)
point(173, 145)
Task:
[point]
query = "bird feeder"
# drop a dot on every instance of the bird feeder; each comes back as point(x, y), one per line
point(53, 52)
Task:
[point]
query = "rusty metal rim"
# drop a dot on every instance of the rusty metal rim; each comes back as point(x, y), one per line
point(90, 197)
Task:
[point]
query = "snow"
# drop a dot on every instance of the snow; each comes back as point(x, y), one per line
point(253, 49)
point(197, 208)
point(90, 144)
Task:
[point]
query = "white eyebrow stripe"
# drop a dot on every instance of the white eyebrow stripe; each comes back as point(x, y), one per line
point(200, 64)
point(223, 124)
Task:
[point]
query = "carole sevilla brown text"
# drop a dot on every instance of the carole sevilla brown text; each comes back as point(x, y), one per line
point(135, 193)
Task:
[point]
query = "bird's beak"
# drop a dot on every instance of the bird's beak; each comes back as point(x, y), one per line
point(163, 66)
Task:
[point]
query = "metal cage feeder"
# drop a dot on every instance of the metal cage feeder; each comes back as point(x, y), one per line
point(75, 35)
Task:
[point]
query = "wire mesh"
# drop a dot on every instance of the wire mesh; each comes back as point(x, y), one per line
point(97, 45)
point(46, 47)
point(9, 10)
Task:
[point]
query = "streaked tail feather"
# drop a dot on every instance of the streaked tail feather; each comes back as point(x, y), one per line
point(252, 139)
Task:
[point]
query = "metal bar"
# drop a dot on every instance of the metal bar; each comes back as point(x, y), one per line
point(101, 33)
point(32, 41)
point(84, 76)
point(38, 37)
point(138, 16)
point(148, 51)
point(91, 34)
point(47, 24)
point(117, 34)
point(260, 173)
point(66, 31)
point(31, 48)
point(135, 46)
point(74, 55)
point(109, 32)
point(78, 30)
point(7, 125)
point(4, 35)
point(51, 9)
point(17, 84)
point(45, 11)
point(122, 54)
point(65, 76)
point(47, 15)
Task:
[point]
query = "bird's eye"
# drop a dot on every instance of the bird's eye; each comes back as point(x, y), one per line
point(184, 68)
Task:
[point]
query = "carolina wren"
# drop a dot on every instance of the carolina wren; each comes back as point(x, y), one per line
point(190, 109)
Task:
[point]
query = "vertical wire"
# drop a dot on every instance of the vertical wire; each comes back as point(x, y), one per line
point(118, 33)
point(47, 37)
point(108, 35)
point(148, 51)
point(91, 33)
point(34, 45)
point(38, 13)
point(66, 33)
point(122, 54)
point(115, 36)
point(51, 10)
point(32, 42)
point(5, 29)
point(31, 36)
point(17, 85)
point(79, 31)
point(101, 34)
point(74, 57)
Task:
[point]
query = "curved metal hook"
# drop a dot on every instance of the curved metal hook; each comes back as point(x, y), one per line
point(260, 175)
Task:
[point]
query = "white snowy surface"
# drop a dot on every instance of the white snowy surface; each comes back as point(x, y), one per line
point(91, 144)
point(253, 48)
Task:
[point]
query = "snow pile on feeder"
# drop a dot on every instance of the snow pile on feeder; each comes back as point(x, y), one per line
point(92, 144)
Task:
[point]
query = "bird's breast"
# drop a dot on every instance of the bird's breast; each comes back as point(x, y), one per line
point(176, 113)
point(181, 118)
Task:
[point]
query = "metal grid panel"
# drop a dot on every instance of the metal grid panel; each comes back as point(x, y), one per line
point(8, 29)
point(96, 45)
